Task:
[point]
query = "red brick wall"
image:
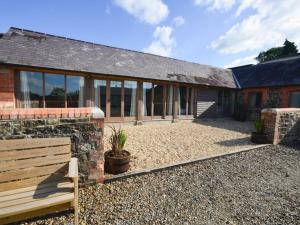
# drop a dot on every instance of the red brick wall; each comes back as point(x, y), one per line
point(7, 90)
point(285, 91)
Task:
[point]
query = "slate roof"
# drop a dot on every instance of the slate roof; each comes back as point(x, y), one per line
point(280, 72)
point(29, 48)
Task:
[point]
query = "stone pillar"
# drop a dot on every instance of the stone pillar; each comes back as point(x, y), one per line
point(281, 124)
point(175, 103)
point(140, 104)
point(96, 159)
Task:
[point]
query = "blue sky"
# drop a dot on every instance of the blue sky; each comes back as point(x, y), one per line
point(216, 32)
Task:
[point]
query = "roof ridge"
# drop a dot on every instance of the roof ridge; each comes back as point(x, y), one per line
point(109, 46)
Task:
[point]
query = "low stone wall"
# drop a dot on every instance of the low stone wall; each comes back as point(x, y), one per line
point(86, 135)
point(281, 125)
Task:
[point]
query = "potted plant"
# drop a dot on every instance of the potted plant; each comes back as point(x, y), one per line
point(258, 136)
point(117, 159)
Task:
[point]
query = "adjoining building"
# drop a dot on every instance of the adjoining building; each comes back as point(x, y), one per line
point(272, 84)
point(40, 70)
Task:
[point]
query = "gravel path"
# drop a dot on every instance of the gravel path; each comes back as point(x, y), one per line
point(257, 187)
point(156, 144)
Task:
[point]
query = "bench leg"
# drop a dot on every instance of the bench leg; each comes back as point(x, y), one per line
point(76, 200)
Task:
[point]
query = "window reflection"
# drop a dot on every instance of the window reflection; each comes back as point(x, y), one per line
point(75, 91)
point(130, 98)
point(182, 98)
point(31, 85)
point(115, 98)
point(54, 90)
point(100, 94)
point(147, 98)
point(158, 99)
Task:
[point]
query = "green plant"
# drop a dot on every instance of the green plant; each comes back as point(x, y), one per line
point(117, 140)
point(259, 125)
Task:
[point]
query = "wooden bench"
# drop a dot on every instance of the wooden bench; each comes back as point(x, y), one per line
point(37, 176)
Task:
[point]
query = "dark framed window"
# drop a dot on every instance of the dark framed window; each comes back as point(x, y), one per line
point(100, 94)
point(191, 101)
point(55, 90)
point(294, 99)
point(182, 100)
point(255, 100)
point(75, 91)
point(115, 98)
point(130, 88)
point(31, 89)
point(158, 100)
point(147, 98)
point(39, 90)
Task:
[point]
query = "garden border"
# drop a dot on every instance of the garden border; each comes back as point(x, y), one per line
point(112, 178)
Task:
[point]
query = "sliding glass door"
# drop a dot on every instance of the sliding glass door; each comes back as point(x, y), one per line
point(130, 88)
point(115, 98)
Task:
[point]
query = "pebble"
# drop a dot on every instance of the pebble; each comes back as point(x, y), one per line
point(245, 188)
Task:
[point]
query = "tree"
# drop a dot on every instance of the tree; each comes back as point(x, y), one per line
point(288, 49)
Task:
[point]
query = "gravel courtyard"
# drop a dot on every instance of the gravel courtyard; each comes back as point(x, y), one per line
point(260, 186)
point(154, 144)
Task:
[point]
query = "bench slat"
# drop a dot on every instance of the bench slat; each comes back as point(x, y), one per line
point(35, 191)
point(61, 177)
point(40, 161)
point(33, 198)
point(7, 145)
point(30, 153)
point(47, 202)
point(35, 187)
point(32, 172)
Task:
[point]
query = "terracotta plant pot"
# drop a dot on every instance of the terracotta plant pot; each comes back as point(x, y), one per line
point(115, 164)
point(258, 138)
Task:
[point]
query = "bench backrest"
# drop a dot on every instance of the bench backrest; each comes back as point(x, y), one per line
point(30, 162)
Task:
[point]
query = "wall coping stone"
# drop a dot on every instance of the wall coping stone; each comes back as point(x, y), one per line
point(97, 113)
point(43, 113)
point(280, 110)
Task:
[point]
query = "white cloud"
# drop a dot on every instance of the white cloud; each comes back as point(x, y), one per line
point(148, 11)
point(272, 22)
point(178, 21)
point(163, 42)
point(242, 61)
point(215, 4)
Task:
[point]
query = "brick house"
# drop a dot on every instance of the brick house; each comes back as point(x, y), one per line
point(51, 75)
point(273, 84)
point(44, 73)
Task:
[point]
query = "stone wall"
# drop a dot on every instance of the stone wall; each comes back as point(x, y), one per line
point(281, 125)
point(85, 131)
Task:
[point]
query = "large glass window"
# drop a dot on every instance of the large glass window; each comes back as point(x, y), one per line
point(31, 85)
point(115, 98)
point(182, 98)
point(100, 94)
point(255, 100)
point(130, 98)
point(75, 91)
point(147, 98)
point(169, 100)
point(294, 100)
point(191, 101)
point(54, 90)
point(158, 99)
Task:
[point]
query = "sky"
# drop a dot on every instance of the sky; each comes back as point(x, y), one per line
point(223, 33)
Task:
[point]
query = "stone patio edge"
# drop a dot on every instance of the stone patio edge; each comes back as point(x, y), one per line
point(177, 164)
